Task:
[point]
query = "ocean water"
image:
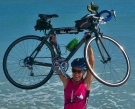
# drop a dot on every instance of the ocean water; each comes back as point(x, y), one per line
point(17, 18)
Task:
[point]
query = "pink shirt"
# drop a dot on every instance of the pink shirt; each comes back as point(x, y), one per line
point(75, 95)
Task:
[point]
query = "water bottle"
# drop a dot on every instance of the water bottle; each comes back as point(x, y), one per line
point(72, 44)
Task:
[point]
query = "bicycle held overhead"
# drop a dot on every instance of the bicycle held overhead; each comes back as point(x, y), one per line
point(30, 61)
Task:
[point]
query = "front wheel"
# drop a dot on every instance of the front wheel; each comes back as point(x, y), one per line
point(24, 71)
point(114, 71)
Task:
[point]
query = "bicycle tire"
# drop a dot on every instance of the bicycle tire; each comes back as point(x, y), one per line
point(13, 63)
point(116, 71)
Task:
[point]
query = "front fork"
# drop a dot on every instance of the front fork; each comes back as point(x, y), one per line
point(100, 44)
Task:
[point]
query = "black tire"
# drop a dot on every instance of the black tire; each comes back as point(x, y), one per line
point(116, 71)
point(13, 63)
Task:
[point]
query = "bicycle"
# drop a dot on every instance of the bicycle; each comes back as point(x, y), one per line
point(30, 61)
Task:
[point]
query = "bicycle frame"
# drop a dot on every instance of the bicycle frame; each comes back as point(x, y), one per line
point(71, 30)
point(44, 39)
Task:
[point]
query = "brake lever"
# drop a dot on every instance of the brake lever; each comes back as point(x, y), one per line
point(114, 14)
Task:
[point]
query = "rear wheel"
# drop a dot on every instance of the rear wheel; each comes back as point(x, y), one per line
point(24, 71)
point(114, 71)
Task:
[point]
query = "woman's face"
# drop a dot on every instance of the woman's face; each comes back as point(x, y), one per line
point(77, 74)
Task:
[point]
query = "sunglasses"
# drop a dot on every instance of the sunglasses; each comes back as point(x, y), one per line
point(77, 71)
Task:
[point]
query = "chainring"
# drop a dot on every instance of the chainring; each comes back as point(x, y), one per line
point(59, 60)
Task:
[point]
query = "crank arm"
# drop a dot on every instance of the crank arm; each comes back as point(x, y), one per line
point(62, 70)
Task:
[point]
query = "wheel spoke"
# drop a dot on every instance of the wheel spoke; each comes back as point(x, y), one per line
point(24, 71)
point(115, 71)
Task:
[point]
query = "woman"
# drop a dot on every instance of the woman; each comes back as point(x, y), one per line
point(77, 88)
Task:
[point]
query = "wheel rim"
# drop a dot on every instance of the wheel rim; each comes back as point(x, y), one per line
point(20, 74)
point(114, 72)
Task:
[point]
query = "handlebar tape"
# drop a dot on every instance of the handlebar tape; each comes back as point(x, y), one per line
point(109, 17)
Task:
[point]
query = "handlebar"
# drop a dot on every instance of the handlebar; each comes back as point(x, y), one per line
point(93, 8)
point(99, 16)
point(108, 17)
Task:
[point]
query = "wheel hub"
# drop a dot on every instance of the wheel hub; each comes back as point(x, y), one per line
point(28, 61)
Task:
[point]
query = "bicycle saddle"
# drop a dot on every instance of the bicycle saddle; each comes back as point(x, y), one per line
point(46, 17)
